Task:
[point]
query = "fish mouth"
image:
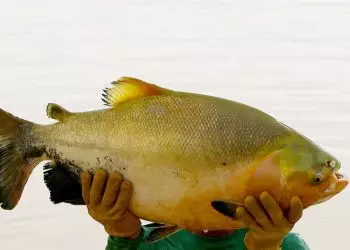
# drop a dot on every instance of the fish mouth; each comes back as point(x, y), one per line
point(340, 176)
point(340, 183)
point(342, 179)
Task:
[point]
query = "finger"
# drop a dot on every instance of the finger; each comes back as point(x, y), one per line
point(123, 199)
point(112, 189)
point(86, 186)
point(97, 187)
point(296, 210)
point(248, 220)
point(274, 210)
point(257, 212)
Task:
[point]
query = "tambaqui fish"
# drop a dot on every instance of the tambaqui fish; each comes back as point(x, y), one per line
point(190, 157)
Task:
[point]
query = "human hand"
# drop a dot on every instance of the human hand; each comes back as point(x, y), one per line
point(267, 229)
point(107, 200)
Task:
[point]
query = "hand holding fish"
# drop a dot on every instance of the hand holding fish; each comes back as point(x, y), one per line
point(107, 200)
point(267, 229)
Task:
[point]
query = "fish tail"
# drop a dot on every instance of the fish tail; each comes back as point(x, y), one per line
point(15, 166)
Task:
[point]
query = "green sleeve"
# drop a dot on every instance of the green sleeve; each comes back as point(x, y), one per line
point(186, 240)
point(291, 241)
point(116, 243)
point(294, 242)
point(169, 243)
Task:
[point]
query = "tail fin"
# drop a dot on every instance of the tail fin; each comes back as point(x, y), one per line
point(14, 168)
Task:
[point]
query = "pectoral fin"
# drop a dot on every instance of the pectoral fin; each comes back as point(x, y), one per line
point(159, 232)
point(227, 208)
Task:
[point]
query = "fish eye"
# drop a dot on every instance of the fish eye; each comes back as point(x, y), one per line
point(318, 178)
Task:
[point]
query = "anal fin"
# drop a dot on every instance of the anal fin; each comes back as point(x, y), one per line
point(63, 186)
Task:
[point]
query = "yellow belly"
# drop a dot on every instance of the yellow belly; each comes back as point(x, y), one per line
point(187, 202)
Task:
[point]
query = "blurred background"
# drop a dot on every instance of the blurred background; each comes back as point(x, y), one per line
point(288, 58)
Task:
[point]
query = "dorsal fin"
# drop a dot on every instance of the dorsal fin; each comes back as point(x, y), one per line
point(56, 112)
point(128, 88)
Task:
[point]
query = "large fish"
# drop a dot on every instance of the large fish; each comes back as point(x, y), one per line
point(191, 158)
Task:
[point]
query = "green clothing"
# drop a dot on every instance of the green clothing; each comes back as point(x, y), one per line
point(186, 240)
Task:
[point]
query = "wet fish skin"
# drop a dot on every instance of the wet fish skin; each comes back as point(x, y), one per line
point(182, 151)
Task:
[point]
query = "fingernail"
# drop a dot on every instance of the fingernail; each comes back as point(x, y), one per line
point(295, 199)
point(117, 175)
point(126, 184)
point(263, 195)
point(250, 198)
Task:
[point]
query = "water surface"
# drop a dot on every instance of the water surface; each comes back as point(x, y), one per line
point(288, 58)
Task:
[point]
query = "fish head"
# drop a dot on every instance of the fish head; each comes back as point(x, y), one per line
point(312, 173)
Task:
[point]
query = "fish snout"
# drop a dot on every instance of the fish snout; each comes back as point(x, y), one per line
point(339, 184)
point(342, 180)
point(341, 176)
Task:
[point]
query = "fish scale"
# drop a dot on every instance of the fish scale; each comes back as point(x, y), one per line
point(191, 158)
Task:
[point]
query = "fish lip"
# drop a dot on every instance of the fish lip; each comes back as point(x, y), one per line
point(341, 176)
point(341, 183)
point(332, 190)
point(342, 179)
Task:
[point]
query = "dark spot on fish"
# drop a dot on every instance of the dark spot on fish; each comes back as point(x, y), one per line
point(98, 160)
point(108, 162)
point(36, 152)
point(224, 164)
point(177, 172)
point(195, 183)
point(73, 167)
point(53, 154)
